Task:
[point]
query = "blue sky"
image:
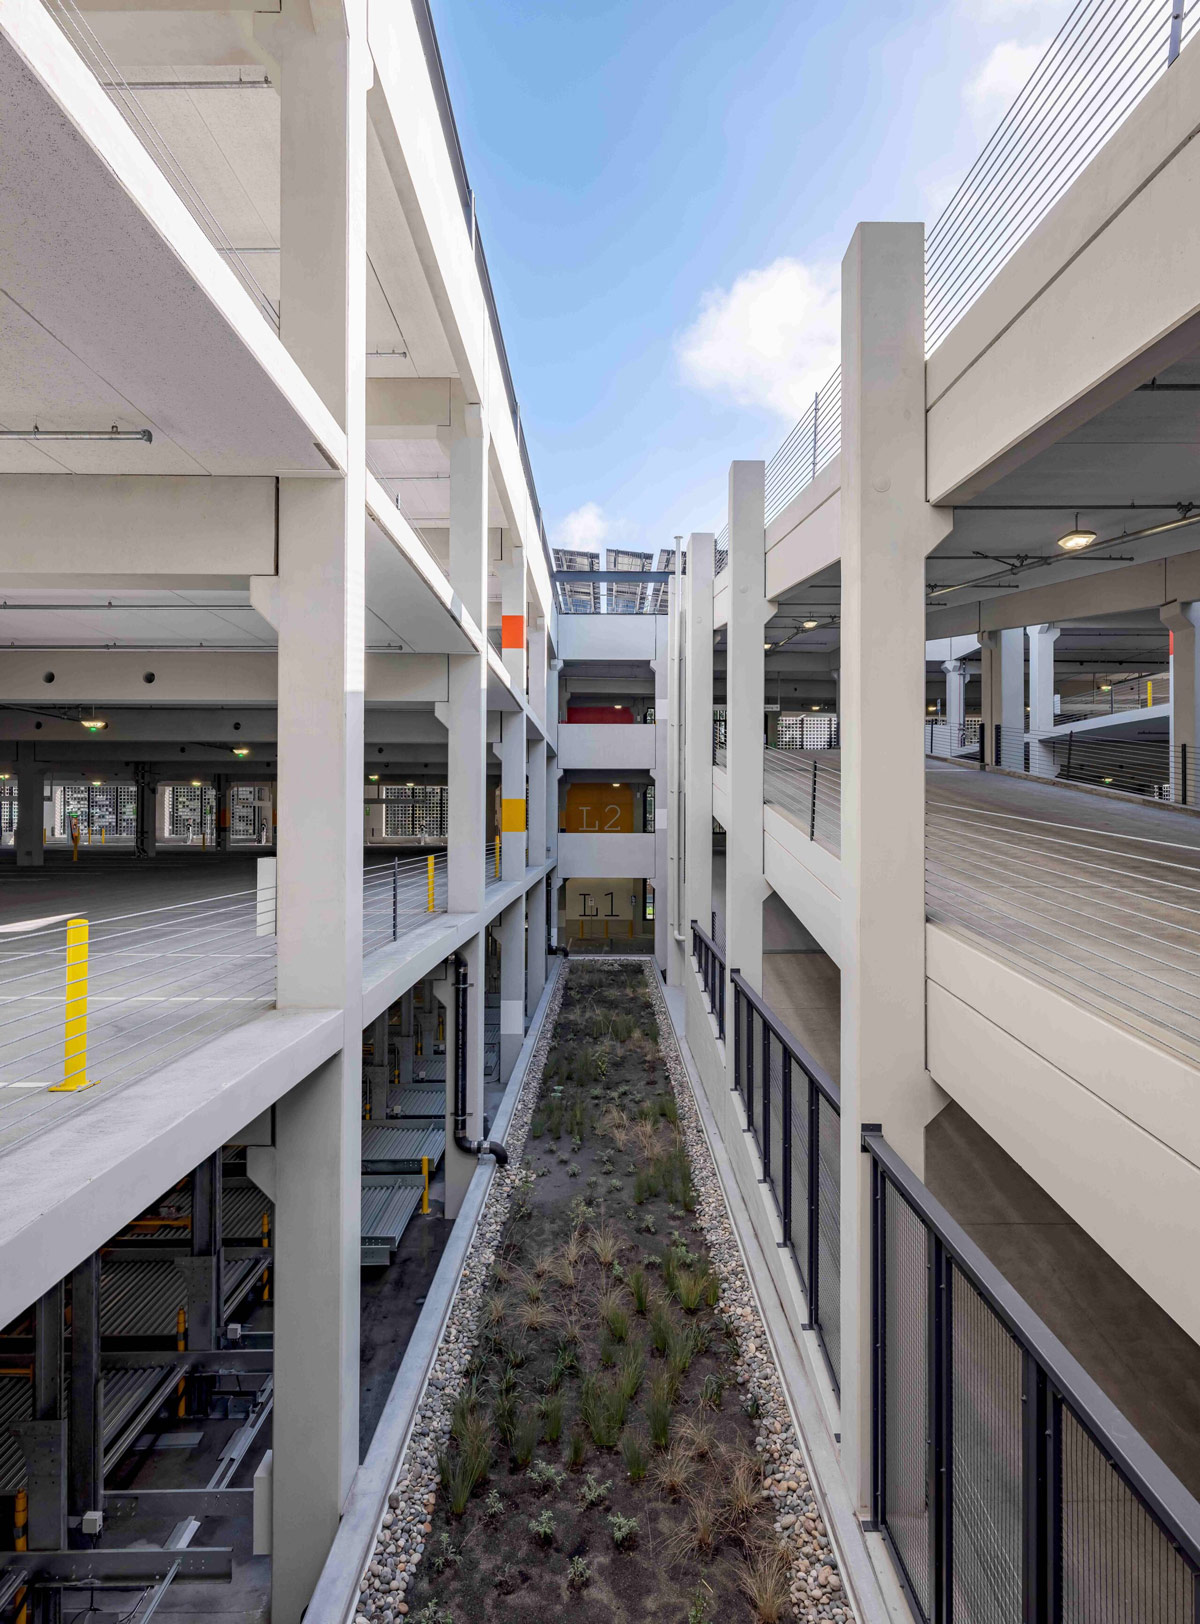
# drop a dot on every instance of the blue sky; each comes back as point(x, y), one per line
point(665, 191)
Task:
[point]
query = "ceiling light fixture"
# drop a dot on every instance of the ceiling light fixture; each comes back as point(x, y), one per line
point(810, 625)
point(92, 723)
point(1076, 540)
point(241, 749)
point(197, 783)
point(114, 433)
point(372, 778)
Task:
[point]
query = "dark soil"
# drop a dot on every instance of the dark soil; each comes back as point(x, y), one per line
point(611, 1206)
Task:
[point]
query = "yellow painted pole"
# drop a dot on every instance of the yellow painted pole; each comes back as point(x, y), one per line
point(21, 1543)
point(1149, 692)
point(181, 1347)
point(75, 1049)
point(425, 1192)
point(429, 883)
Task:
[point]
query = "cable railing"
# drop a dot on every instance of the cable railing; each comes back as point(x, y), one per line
point(793, 1110)
point(1100, 64)
point(95, 1004)
point(398, 895)
point(1142, 766)
point(809, 788)
point(810, 447)
point(1111, 919)
point(1006, 1485)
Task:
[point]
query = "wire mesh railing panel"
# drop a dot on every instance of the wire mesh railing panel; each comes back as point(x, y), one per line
point(986, 1409)
point(1118, 1567)
point(906, 1500)
point(804, 1226)
point(829, 1230)
point(1102, 61)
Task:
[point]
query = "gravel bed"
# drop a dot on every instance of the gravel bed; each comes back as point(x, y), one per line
point(817, 1592)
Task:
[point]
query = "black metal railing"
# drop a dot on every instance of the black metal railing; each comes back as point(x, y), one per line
point(793, 1110)
point(1006, 1484)
point(710, 966)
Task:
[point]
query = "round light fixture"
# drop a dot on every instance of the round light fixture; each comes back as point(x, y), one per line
point(810, 625)
point(1076, 540)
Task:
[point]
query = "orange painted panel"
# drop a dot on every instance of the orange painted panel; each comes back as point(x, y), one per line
point(512, 631)
point(599, 809)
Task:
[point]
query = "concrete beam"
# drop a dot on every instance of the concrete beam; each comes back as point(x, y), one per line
point(68, 525)
point(407, 408)
point(1104, 592)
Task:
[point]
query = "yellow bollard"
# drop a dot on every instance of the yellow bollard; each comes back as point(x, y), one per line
point(181, 1347)
point(1149, 691)
point(429, 884)
point(266, 1240)
point(425, 1192)
point(21, 1543)
point(75, 1054)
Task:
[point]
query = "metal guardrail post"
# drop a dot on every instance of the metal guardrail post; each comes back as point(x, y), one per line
point(395, 898)
point(941, 1421)
point(813, 1199)
point(737, 1038)
point(765, 1094)
point(785, 1105)
point(812, 807)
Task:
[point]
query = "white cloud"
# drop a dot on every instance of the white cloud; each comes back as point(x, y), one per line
point(770, 340)
point(1001, 79)
point(583, 529)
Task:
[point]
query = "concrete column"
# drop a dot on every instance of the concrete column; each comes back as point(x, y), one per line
point(886, 531)
point(512, 795)
point(535, 945)
point(84, 1474)
point(205, 1295)
point(324, 74)
point(956, 703)
point(467, 709)
point(1181, 620)
point(697, 754)
point(377, 1076)
point(1003, 706)
point(745, 887)
point(459, 1167)
point(666, 911)
point(147, 813)
point(405, 1044)
point(536, 772)
point(31, 790)
point(1041, 697)
point(537, 673)
point(511, 934)
point(512, 608)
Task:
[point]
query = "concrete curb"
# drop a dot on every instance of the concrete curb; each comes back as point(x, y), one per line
point(333, 1600)
point(868, 1590)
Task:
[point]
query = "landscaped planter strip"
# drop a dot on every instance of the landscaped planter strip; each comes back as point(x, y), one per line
point(562, 1548)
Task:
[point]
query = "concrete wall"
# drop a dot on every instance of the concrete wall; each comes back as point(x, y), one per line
point(806, 877)
point(1103, 1120)
point(595, 856)
point(807, 535)
point(607, 637)
point(606, 747)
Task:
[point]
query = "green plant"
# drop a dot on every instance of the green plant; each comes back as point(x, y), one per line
point(712, 1290)
point(658, 1410)
point(493, 1505)
point(668, 1108)
point(764, 1583)
point(462, 1471)
point(633, 1453)
point(552, 1417)
point(504, 1417)
point(602, 1409)
point(444, 1555)
point(463, 1412)
point(579, 1572)
point(433, 1613)
point(573, 1170)
point(542, 1527)
point(606, 1243)
point(624, 1530)
point(712, 1391)
point(593, 1492)
point(547, 1476)
point(662, 1326)
point(741, 1486)
point(690, 1288)
point(526, 1432)
point(697, 1612)
point(576, 1450)
point(630, 1370)
point(639, 1285)
point(615, 1316)
point(537, 1125)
